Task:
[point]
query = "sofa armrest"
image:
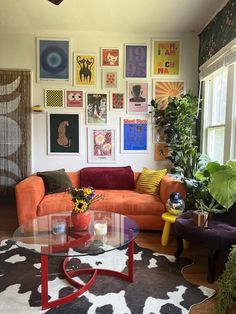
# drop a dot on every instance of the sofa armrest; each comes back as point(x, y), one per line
point(169, 185)
point(29, 193)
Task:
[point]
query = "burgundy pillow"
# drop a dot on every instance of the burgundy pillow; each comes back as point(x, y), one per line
point(118, 178)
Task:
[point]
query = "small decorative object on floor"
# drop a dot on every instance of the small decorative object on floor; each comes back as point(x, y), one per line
point(175, 204)
point(82, 198)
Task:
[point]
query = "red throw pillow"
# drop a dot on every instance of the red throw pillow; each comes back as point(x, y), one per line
point(117, 178)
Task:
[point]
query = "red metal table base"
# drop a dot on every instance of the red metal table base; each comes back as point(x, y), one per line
point(73, 273)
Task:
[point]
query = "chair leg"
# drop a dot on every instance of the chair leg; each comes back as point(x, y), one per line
point(212, 259)
point(179, 249)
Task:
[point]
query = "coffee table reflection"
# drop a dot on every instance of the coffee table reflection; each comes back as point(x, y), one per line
point(54, 235)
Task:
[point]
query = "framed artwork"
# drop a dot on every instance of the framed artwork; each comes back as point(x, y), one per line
point(63, 133)
point(96, 110)
point(165, 57)
point(134, 135)
point(85, 66)
point(158, 134)
point(135, 61)
point(101, 144)
point(110, 57)
point(161, 152)
point(162, 90)
point(137, 97)
point(53, 59)
point(54, 98)
point(117, 101)
point(109, 79)
point(74, 98)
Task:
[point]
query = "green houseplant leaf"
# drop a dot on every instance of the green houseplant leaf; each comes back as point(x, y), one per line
point(222, 185)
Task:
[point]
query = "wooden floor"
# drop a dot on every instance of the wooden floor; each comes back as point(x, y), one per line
point(196, 273)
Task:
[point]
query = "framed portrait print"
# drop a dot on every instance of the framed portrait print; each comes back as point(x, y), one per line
point(109, 79)
point(162, 90)
point(54, 98)
point(137, 97)
point(117, 101)
point(134, 135)
point(110, 57)
point(63, 133)
point(85, 69)
point(53, 59)
point(96, 110)
point(101, 144)
point(135, 61)
point(74, 98)
point(166, 55)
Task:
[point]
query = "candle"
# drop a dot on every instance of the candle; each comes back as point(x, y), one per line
point(100, 228)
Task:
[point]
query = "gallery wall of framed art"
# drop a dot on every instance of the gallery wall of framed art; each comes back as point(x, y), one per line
point(102, 90)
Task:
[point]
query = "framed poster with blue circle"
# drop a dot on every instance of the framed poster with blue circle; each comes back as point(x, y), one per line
point(53, 59)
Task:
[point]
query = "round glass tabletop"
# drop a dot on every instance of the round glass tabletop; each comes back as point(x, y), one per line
point(54, 234)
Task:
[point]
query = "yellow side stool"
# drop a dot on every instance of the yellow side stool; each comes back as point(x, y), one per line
point(169, 219)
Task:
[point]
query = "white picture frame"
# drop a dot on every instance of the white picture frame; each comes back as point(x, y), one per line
point(96, 108)
point(63, 133)
point(134, 134)
point(54, 98)
point(117, 101)
point(53, 57)
point(101, 144)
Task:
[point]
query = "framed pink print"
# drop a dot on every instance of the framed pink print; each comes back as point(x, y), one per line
point(109, 79)
point(110, 57)
point(117, 101)
point(74, 98)
point(137, 97)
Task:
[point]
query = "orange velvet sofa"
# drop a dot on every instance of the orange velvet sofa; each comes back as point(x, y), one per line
point(145, 209)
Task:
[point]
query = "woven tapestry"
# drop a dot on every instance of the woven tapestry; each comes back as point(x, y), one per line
point(15, 127)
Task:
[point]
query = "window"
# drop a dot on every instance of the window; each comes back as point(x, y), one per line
point(219, 114)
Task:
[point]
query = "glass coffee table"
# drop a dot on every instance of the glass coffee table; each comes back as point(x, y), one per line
point(54, 235)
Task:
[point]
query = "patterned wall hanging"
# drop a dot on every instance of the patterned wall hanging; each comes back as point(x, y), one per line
point(15, 124)
point(54, 98)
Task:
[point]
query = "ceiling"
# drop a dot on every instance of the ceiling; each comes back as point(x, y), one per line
point(143, 16)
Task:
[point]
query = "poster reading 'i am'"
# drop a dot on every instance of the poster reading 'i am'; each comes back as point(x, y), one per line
point(165, 57)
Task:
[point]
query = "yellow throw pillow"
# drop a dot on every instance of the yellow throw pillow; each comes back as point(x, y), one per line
point(149, 181)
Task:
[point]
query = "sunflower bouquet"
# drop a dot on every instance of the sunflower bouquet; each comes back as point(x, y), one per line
point(82, 198)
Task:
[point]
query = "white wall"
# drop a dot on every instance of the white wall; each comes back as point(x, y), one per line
point(18, 51)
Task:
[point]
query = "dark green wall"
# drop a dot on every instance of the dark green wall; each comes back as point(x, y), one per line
point(218, 33)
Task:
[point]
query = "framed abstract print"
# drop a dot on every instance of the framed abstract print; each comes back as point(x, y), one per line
point(101, 144)
point(53, 59)
point(162, 90)
point(166, 55)
point(85, 69)
point(63, 133)
point(137, 97)
point(74, 98)
point(109, 79)
point(135, 61)
point(96, 110)
point(110, 57)
point(134, 135)
point(117, 101)
point(54, 98)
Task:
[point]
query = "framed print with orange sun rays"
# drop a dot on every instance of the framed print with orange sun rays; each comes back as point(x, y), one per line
point(162, 90)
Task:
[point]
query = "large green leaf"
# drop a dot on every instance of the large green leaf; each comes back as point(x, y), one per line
point(222, 185)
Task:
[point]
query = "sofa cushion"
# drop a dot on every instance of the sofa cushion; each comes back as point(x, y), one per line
point(128, 202)
point(55, 181)
point(107, 177)
point(149, 181)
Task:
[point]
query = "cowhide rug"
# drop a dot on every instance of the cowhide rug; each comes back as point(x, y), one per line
point(158, 286)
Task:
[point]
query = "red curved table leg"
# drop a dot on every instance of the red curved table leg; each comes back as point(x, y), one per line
point(73, 273)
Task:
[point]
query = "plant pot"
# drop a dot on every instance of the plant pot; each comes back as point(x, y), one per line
point(81, 221)
point(201, 218)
